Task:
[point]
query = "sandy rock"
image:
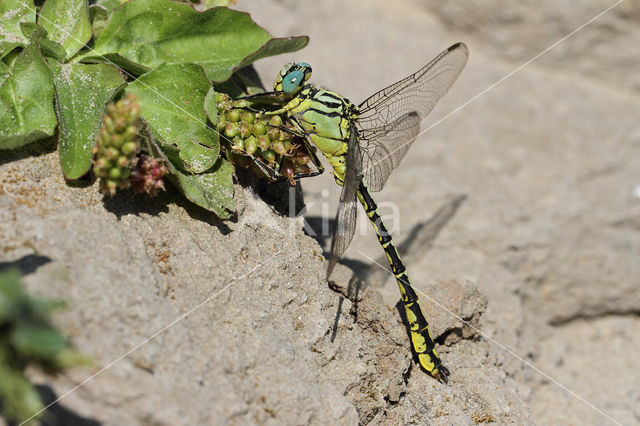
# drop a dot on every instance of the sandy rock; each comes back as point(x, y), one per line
point(190, 320)
point(456, 315)
point(547, 159)
point(522, 30)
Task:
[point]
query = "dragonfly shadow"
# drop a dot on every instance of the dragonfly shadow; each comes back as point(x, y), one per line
point(419, 241)
point(282, 196)
point(412, 248)
point(352, 292)
point(57, 414)
point(26, 264)
point(321, 230)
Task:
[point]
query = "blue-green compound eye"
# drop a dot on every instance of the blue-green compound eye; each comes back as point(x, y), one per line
point(292, 81)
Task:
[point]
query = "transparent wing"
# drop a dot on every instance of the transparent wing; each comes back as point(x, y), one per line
point(347, 215)
point(389, 121)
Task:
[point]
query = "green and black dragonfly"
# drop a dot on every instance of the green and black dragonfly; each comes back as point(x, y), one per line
point(364, 144)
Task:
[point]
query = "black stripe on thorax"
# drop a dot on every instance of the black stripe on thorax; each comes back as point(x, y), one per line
point(326, 114)
point(313, 91)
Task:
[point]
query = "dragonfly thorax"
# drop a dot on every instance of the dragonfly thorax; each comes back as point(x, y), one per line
point(326, 118)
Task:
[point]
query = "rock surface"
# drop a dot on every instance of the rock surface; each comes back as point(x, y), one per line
point(549, 161)
point(540, 259)
point(192, 323)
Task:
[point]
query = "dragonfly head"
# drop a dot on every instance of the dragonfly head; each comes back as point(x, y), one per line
point(292, 78)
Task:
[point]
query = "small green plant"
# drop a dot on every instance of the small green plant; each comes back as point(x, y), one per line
point(61, 64)
point(27, 338)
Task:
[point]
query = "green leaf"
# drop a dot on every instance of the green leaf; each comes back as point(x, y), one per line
point(4, 72)
point(11, 294)
point(37, 341)
point(110, 5)
point(211, 106)
point(37, 34)
point(20, 400)
point(243, 82)
point(248, 77)
point(67, 22)
point(12, 12)
point(130, 68)
point(212, 190)
point(215, 3)
point(98, 16)
point(151, 32)
point(68, 358)
point(26, 101)
point(82, 91)
point(171, 100)
point(33, 31)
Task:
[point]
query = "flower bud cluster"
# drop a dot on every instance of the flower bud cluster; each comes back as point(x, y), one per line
point(268, 138)
point(117, 144)
point(147, 175)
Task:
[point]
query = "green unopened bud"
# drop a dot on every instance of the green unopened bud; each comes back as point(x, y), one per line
point(238, 143)
point(274, 133)
point(251, 144)
point(284, 136)
point(278, 147)
point(259, 129)
point(240, 103)
point(129, 148)
point(233, 115)
point(263, 142)
point(102, 162)
point(244, 130)
point(108, 123)
point(110, 186)
point(118, 107)
point(122, 161)
point(116, 140)
point(114, 173)
point(130, 132)
point(276, 121)
point(248, 117)
point(222, 121)
point(120, 123)
point(111, 153)
point(269, 155)
point(231, 130)
point(221, 97)
point(135, 109)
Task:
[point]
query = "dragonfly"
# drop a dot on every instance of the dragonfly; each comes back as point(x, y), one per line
point(364, 144)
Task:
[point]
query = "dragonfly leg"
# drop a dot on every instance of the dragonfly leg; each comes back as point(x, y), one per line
point(421, 339)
